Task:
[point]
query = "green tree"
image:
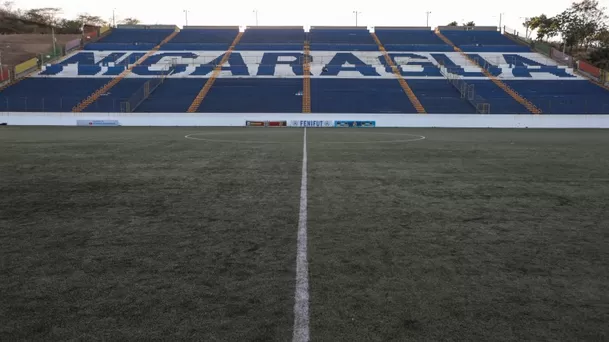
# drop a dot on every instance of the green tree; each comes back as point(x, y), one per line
point(87, 19)
point(67, 26)
point(600, 58)
point(546, 27)
point(470, 23)
point(130, 21)
point(46, 15)
point(453, 23)
point(579, 24)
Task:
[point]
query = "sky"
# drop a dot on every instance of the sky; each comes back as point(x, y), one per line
point(312, 12)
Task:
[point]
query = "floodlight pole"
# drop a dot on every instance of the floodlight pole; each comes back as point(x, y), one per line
point(428, 13)
point(500, 21)
point(256, 15)
point(356, 15)
point(114, 17)
point(186, 17)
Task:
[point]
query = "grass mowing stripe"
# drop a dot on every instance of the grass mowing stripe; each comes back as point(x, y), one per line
point(301, 295)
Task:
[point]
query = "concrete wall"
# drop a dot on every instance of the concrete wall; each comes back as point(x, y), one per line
point(393, 120)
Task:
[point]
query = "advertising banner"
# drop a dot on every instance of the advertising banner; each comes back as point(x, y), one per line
point(5, 74)
point(255, 123)
point(277, 123)
point(25, 66)
point(73, 44)
point(311, 123)
point(355, 124)
point(561, 57)
point(266, 123)
point(589, 69)
point(98, 123)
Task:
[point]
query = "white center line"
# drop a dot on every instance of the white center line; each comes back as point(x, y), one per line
point(301, 295)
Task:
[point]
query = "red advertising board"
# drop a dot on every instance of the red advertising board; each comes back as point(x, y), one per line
point(4, 73)
point(589, 69)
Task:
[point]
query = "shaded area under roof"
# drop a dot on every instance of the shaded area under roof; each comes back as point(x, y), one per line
point(402, 28)
point(148, 27)
point(362, 28)
point(275, 28)
point(211, 28)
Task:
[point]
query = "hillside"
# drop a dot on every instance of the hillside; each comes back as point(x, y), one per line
point(16, 48)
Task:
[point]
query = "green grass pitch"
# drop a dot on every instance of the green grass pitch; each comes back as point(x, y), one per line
point(142, 234)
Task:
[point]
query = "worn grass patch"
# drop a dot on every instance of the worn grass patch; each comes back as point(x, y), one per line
point(469, 235)
point(138, 233)
point(134, 233)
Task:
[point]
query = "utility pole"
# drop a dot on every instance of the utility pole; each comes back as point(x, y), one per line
point(356, 15)
point(186, 17)
point(428, 13)
point(114, 17)
point(501, 21)
point(54, 41)
point(255, 11)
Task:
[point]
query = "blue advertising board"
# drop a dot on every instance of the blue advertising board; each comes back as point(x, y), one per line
point(354, 123)
point(98, 123)
point(311, 123)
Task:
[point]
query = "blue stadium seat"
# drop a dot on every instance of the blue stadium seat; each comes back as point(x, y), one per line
point(358, 96)
point(500, 101)
point(129, 36)
point(440, 97)
point(349, 82)
point(47, 94)
point(121, 92)
point(173, 96)
point(461, 37)
point(564, 97)
point(271, 36)
point(214, 39)
point(206, 35)
point(254, 95)
point(407, 37)
point(133, 46)
point(342, 39)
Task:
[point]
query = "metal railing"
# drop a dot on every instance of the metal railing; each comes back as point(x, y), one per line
point(144, 92)
point(467, 91)
point(262, 104)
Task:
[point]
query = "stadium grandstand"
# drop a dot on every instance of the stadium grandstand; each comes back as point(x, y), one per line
point(290, 183)
point(383, 70)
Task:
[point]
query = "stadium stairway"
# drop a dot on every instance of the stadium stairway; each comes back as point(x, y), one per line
point(526, 103)
point(396, 71)
point(104, 90)
point(306, 80)
point(210, 81)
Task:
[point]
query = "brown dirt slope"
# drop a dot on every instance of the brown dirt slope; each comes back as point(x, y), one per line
point(16, 48)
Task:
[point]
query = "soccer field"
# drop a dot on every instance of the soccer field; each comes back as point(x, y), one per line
point(413, 234)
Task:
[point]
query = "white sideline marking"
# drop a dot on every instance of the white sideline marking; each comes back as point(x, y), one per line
point(301, 295)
